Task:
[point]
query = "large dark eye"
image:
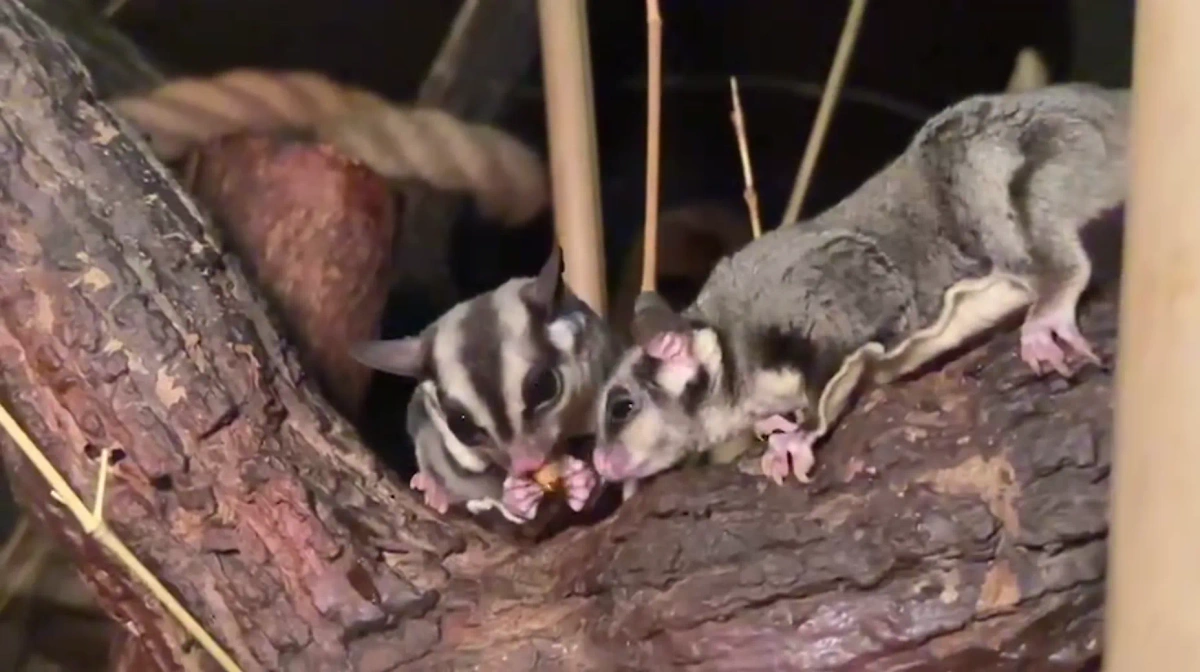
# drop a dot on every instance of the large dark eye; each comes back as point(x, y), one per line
point(465, 429)
point(542, 388)
point(620, 406)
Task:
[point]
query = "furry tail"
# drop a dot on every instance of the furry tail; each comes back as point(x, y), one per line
point(507, 179)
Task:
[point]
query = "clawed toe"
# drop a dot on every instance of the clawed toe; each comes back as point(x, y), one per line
point(522, 496)
point(775, 464)
point(1041, 349)
point(579, 481)
point(435, 497)
point(1041, 353)
point(789, 447)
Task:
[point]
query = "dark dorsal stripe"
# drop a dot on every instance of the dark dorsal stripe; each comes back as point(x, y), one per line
point(785, 349)
point(695, 392)
point(479, 353)
point(545, 354)
point(698, 389)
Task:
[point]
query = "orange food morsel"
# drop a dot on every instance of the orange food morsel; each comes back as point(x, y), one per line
point(548, 477)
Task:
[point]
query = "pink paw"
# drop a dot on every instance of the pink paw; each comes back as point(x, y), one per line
point(1042, 352)
point(796, 445)
point(579, 481)
point(668, 347)
point(435, 496)
point(522, 496)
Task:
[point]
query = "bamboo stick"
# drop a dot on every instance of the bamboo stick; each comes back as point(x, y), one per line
point(574, 157)
point(653, 144)
point(1153, 620)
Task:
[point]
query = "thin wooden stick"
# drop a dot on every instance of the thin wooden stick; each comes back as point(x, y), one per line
point(653, 136)
point(101, 485)
point(739, 128)
point(829, 96)
point(100, 531)
point(1151, 619)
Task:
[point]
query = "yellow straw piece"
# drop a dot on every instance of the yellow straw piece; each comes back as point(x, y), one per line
point(94, 525)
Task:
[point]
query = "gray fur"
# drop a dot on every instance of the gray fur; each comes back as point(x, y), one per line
point(998, 184)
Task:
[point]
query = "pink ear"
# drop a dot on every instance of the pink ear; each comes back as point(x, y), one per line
point(671, 347)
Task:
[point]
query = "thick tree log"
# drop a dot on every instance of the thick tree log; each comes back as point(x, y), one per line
point(956, 522)
point(123, 327)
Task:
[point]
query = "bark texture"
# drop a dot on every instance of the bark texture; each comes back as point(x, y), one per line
point(956, 521)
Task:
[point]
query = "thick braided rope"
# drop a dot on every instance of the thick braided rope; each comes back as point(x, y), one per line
point(507, 180)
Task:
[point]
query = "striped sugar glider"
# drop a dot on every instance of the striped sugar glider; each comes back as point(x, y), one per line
point(979, 218)
point(506, 377)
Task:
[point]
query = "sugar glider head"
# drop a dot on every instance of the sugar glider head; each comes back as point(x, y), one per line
point(663, 397)
point(513, 370)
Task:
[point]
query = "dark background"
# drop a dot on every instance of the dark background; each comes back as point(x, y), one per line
point(923, 55)
point(912, 58)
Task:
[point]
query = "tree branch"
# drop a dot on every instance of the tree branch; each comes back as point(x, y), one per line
point(955, 521)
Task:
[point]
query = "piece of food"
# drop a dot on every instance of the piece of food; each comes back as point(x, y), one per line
point(549, 477)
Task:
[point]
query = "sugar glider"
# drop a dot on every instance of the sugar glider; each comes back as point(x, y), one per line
point(979, 218)
point(506, 377)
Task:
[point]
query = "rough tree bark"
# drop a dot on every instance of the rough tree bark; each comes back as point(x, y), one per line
point(956, 522)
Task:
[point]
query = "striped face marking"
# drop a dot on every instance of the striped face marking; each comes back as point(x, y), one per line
point(510, 370)
point(502, 371)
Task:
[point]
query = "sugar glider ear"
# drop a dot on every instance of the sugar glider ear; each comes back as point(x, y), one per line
point(402, 356)
point(654, 318)
point(546, 288)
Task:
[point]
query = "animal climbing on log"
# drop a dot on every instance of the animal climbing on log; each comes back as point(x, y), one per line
point(956, 521)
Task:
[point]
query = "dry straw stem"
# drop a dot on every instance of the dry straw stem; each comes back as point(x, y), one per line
point(93, 523)
point(653, 134)
point(829, 96)
point(739, 128)
point(507, 179)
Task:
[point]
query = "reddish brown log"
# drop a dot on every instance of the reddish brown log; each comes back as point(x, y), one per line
point(955, 522)
point(316, 231)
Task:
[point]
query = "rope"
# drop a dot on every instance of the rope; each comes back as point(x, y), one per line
point(506, 178)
